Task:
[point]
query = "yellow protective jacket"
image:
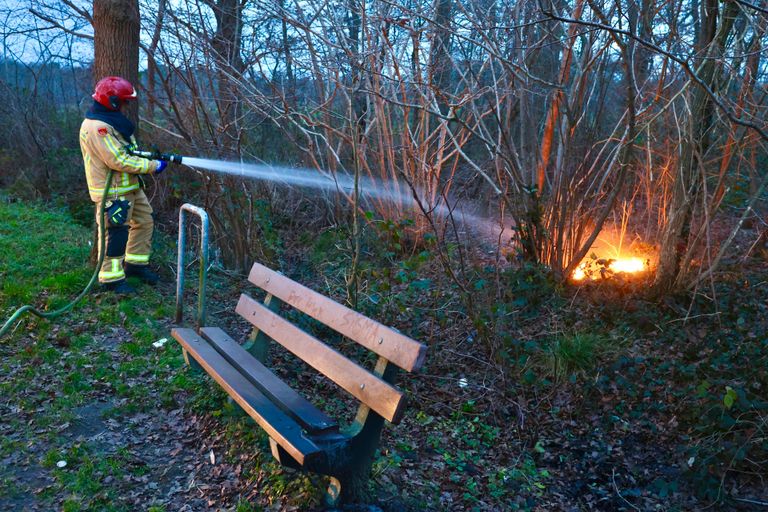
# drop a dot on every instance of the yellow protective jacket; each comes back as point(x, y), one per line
point(104, 148)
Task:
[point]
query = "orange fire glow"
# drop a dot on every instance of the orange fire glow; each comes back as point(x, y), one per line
point(595, 269)
point(616, 252)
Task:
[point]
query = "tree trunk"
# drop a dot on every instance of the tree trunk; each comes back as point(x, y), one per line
point(440, 65)
point(152, 70)
point(357, 78)
point(236, 214)
point(116, 26)
point(229, 62)
point(116, 43)
point(287, 55)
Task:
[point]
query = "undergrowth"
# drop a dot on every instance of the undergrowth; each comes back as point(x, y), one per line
point(606, 341)
point(528, 390)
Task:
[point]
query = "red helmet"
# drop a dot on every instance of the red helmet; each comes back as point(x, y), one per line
point(113, 91)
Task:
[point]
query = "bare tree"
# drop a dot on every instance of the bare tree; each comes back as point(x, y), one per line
point(715, 30)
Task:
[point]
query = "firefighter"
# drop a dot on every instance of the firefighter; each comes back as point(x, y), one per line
point(105, 138)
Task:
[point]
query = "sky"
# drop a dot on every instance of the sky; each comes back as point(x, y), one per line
point(31, 39)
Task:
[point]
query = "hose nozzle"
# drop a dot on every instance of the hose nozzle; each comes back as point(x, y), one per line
point(170, 157)
point(155, 155)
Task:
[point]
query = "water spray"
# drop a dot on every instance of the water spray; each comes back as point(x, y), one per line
point(285, 175)
point(291, 176)
point(393, 191)
point(280, 174)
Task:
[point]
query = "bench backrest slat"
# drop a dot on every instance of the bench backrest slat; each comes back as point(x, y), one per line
point(401, 350)
point(377, 394)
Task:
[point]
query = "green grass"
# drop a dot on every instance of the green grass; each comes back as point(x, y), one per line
point(99, 352)
point(571, 355)
point(40, 249)
point(50, 368)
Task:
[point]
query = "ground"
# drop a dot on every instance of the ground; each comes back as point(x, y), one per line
point(539, 398)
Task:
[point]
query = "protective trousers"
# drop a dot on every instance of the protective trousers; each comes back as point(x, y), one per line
point(129, 243)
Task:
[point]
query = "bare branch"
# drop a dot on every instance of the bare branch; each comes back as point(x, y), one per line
point(58, 25)
point(684, 64)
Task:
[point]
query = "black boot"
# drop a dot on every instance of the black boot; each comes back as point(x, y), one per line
point(120, 287)
point(142, 272)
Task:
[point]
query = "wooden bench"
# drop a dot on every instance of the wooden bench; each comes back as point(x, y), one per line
point(301, 435)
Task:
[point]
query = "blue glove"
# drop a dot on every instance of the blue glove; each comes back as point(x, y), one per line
point(161, 165)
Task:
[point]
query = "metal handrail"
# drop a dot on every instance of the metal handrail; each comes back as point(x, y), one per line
point(180, 263)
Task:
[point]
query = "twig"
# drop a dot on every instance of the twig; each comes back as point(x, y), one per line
point(616, 488)
point(157, 126)
point(752, 502)
point(56, 24)
point(686, 317)
point(467, 356)
point(752, 6)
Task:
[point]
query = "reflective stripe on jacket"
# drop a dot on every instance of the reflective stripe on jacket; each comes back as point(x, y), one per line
point(103, 149)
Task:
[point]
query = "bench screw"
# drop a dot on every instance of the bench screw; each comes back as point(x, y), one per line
point(381, 340)
point(362, 386)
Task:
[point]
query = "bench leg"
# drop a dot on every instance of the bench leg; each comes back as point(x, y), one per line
point(348, 486)
point(193, 365)
point(351, 484)
point(333, 493)
point(333, 496)
point(352, 487)
point(258, 343)
point(282, 456)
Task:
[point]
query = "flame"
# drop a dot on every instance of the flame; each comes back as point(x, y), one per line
point(631, 265)
point(628, 265)
point(615, 252)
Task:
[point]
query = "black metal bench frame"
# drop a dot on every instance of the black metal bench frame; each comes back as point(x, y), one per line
point(301, 435)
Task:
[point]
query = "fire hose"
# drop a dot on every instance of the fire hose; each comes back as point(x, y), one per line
point(155, 155)
point(53, 314)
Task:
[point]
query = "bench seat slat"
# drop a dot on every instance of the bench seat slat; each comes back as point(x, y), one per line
point(401, 350)
point(305, 413)
point(380, 396)
point(275, 422)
